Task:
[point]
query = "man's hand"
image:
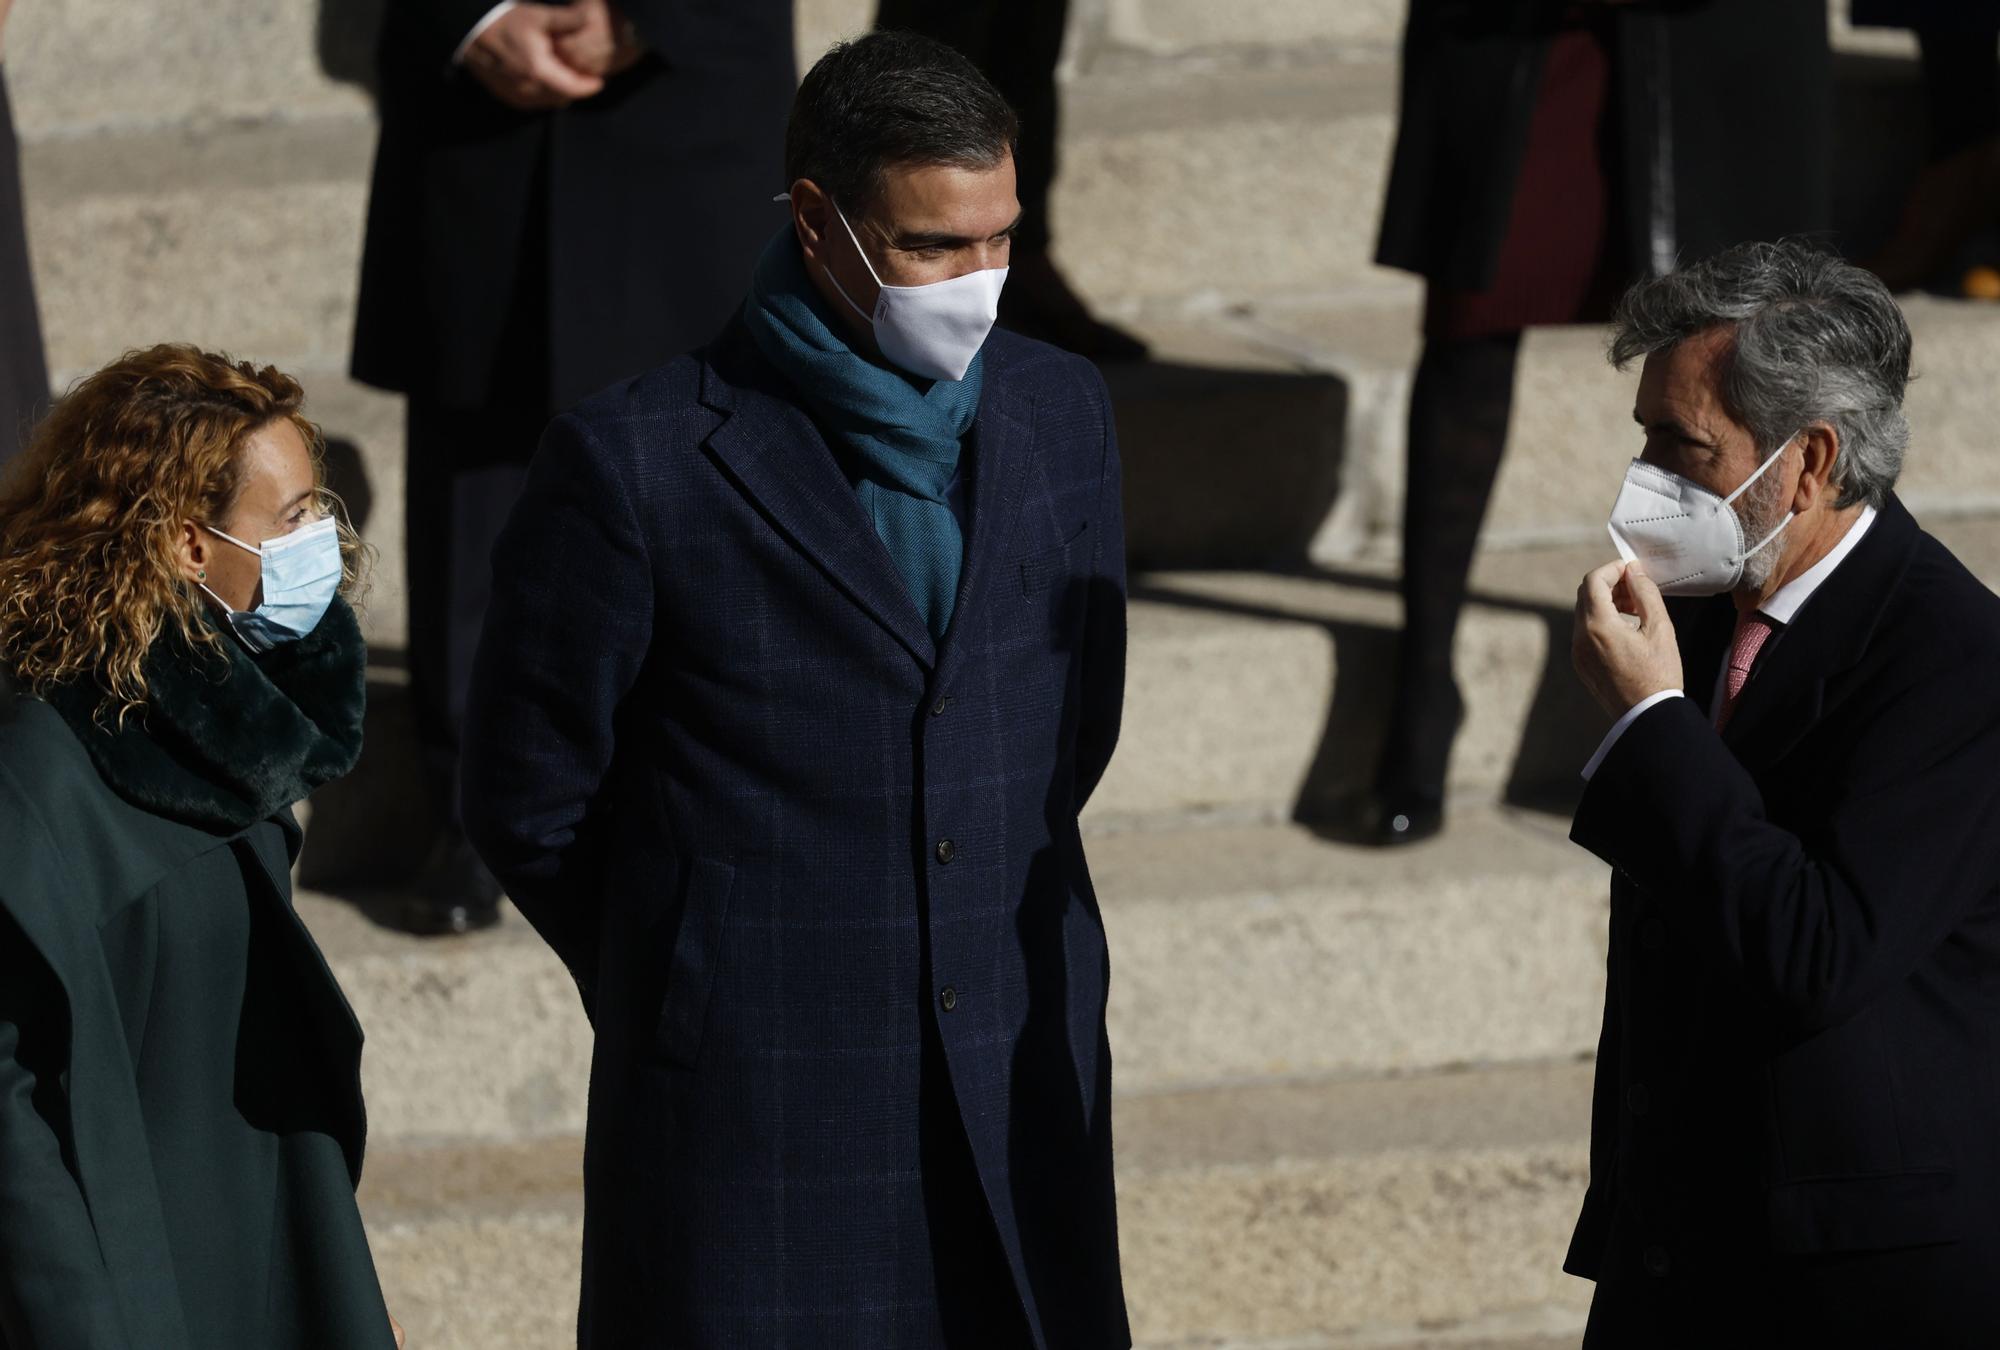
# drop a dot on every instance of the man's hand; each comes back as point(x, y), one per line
point(516, 58)
point(397, 1327)
point(605, 45)
point(1623, 645)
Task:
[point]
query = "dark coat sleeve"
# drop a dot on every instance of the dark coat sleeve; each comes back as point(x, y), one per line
point(567, 631)
point(1104, 634)
point(1907, 846)
point(445, 24)
point(54, 1288)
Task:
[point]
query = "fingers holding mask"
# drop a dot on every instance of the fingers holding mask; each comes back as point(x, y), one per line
point(1623, 647)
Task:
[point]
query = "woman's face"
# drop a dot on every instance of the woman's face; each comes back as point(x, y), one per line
point(278, 496)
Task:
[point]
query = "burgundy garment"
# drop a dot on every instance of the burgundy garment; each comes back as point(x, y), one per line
point(1557, 264)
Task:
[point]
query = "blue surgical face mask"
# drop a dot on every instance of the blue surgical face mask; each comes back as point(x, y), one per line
point(301, 573)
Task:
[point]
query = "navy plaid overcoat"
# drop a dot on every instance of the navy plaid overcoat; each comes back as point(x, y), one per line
point(814, 873)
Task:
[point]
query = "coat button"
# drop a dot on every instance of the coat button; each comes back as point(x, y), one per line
point(946, 851)
point(1657, 1261)
point(1653, 934)
point(943, 702)
point(1637, 1100)
point(948, 998)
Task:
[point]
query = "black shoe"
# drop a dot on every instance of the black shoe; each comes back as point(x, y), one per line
point(1405, 818)
point(455, 893)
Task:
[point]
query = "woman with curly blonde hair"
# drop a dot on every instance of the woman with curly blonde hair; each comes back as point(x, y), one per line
point(180, 1110)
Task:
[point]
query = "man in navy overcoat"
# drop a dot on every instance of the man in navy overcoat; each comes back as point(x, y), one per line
point(804, 656)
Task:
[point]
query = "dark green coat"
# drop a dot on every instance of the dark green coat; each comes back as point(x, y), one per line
point(180, 1108)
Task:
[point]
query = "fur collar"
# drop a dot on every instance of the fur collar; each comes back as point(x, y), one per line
point(225, 742)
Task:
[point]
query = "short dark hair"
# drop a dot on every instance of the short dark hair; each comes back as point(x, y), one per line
point(891, 99)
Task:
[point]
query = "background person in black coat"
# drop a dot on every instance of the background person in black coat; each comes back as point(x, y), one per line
point(807, 839)
point(1796, 1128)
point(564, 195)
point(1549, 153)
point(24, 378)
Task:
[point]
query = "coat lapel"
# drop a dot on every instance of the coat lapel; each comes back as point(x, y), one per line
point(1787, 690)
point(1002, 453)
point(778, 458)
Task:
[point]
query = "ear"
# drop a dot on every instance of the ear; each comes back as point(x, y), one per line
point(812, 213)
point(1819, 444)
point(194, 553)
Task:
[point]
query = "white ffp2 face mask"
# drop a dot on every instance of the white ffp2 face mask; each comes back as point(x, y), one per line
point(1687, 538)
point(932, 331)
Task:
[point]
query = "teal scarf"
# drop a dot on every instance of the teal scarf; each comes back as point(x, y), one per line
point(900, 438)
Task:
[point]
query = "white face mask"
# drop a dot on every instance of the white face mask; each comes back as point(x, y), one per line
point(932, 331)
point(1687, 538)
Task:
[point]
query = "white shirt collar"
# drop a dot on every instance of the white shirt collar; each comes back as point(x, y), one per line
point(1792, 596)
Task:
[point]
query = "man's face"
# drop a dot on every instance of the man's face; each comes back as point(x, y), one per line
point(1689, 433)
point(927, 223)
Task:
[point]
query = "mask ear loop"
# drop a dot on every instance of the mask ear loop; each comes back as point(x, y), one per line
point(247, 548)
point(1769, 460)
point(873, 275)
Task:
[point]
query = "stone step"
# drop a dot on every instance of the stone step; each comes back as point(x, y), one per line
point(83, 65)
point(1237, 955)
point(1186, 179)
point(1250, 698)
point(247, 235)
point(1569, 439)
point(1303, 1211)
point(79, 65)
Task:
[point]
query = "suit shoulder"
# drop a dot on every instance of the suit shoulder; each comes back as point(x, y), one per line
point(50, 794)
point(645, 419)
point(1047, 371)
point(1945, 606)
point(646, 397)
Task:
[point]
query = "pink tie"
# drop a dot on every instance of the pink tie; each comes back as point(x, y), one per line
point(1751, 631)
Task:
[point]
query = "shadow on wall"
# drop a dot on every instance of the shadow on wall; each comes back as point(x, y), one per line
point(371, 828)
point(345, 37)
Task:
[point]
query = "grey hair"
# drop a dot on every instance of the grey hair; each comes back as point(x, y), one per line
point(1815, 339)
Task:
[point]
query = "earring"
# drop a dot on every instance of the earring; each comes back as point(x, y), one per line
point(202, 575)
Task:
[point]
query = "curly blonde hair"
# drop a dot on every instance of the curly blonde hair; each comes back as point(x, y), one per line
point(92, 514)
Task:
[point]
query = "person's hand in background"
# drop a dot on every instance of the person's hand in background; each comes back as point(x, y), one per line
point(604, 45)
point(516, 57)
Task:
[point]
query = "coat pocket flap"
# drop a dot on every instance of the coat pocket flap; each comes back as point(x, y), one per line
point(696, 955)
point(1039, 569)
point(1868, 1212)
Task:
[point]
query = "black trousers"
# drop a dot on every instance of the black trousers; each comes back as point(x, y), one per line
point(1459, 406)
point(1016, 43)
point(465, 470)
point(24, 375)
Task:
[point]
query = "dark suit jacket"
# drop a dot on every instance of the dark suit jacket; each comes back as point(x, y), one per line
point(558, 251)
point(715, 756)
point(1802, 1025)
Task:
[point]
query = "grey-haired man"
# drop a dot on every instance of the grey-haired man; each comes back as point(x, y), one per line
point(1795, 1135)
